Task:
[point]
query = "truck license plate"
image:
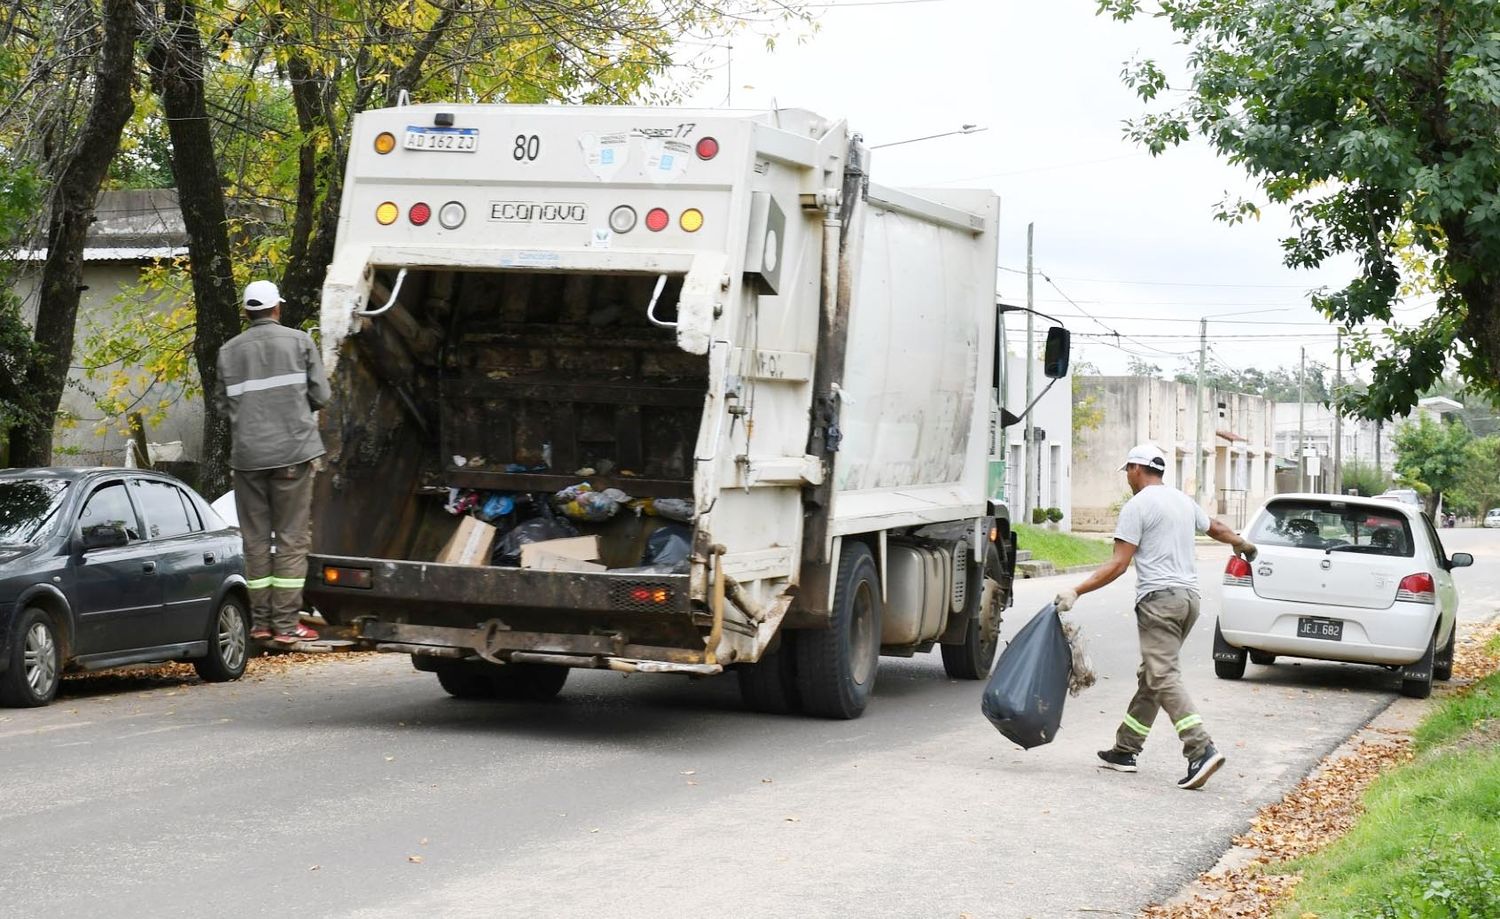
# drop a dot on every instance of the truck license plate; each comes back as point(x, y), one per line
point(1326, 629)
point(442, 140)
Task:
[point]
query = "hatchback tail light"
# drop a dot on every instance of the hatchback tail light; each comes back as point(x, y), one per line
point(1417, 588)
point(1237, 572)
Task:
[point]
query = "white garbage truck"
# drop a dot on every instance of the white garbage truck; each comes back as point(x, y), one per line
point(658, 391)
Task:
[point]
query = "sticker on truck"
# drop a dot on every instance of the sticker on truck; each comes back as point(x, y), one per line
point(538, 212)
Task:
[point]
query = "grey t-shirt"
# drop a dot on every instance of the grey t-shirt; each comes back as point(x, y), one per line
point(1161, 523)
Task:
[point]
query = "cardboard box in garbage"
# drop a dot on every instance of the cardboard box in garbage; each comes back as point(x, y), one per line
point(577, 554)
point(470, 544)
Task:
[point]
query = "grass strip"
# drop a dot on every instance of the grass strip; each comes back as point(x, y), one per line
point(1063, 549)
point(1428, 844)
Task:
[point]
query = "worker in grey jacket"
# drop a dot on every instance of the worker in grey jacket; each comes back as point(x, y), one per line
point(271, 380)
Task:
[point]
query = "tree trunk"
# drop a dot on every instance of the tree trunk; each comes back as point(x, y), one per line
point(320, 182)
point(81, 172)
point(177, 71)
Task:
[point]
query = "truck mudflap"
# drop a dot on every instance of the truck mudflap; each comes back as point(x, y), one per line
point(636, 622)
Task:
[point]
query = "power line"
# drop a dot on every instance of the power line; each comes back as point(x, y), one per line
point(1163, 283)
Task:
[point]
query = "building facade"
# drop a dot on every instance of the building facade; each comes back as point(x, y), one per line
point(1236, 464)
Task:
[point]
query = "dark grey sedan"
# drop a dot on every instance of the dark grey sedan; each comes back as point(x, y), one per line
point(105, 567)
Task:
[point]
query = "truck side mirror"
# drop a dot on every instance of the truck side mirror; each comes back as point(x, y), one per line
point(1055, 355)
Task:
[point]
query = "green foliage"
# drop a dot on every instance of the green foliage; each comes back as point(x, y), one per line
point(1373, 123)
point(1478, 487)
point(19, 188)
point(1038, 516)
point(1365, 479)
point(1139, 367)
point(1431, 454)
point(1088, 415)
point(1453, 879)
point(1054, 515)
point(1279, 385)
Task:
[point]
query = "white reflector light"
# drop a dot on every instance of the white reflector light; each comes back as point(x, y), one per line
point(451, 215)
point(622, 219)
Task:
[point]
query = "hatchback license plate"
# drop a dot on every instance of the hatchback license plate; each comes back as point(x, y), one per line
point(1326, 629)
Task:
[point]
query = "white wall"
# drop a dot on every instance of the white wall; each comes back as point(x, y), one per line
point(1054, 454)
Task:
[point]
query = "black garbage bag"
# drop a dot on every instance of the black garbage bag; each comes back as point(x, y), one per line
point(1024, 697)
point(670, 549)
point(507, 550)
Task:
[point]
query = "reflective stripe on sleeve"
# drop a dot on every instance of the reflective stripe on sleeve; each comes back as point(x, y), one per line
point(1136, 726)
point(1190, 721)
point(284, 379)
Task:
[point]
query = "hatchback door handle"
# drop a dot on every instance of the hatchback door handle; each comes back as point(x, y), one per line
point(148, 567)
point(208, 558)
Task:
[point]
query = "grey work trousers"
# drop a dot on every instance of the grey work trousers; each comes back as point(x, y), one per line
point(275, 501)
point(1163, 618)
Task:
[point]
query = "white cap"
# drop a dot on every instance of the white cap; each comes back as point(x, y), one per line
point(261, 295)
point(1146, 455)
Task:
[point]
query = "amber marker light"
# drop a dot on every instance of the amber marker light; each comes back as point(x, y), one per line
point(691, 220)
point(385, 142)
point(386, 214)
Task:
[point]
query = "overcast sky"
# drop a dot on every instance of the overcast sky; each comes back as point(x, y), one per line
point(1131, 239)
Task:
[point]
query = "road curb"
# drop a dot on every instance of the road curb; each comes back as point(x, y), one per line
point(1045, 569)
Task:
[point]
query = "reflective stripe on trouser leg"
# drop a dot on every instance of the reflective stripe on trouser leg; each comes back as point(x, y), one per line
point(291, 500)
point(1131, 735)
point(252, 504)
point(1136, 726)
point(1164, 619)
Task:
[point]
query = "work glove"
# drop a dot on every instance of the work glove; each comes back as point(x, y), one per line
point(1065, 599)
point(1246, 550)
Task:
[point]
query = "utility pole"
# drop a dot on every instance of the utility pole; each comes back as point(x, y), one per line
point(1302, 422)
point(1198, 440)
point(1028, 440)
point(1379, 466)
point(1338, 417)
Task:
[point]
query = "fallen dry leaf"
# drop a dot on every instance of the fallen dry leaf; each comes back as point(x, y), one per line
point(414, 859)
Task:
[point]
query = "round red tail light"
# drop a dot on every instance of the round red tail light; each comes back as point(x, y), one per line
point(657, 219)
point(708, 148)
point(419, 214)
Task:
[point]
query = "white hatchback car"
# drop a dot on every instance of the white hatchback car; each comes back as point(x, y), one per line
point(1342, 579)
point(1492, 517)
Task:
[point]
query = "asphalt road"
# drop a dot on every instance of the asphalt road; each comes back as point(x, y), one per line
point(357, 788)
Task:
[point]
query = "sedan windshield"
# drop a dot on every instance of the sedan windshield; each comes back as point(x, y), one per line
point(1333, 526)
point(29, 509)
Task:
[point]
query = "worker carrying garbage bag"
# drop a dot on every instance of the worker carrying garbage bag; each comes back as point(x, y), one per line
point(1025, 695)
point(1156, 530)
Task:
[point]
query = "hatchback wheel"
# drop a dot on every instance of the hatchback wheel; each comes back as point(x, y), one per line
point(1416, 677)
point(228, 644)
point(35, 664)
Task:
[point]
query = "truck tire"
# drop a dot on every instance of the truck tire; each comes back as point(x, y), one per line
point(972, 659)
point(465, 679)
point(528, 682)
point(770, 684)
point(836, 666)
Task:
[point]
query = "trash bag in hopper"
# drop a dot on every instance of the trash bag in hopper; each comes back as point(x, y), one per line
point(1025, 695)
point(670, 548)
point(508, 548)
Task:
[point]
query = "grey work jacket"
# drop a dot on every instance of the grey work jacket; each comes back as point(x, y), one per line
point(271, 380)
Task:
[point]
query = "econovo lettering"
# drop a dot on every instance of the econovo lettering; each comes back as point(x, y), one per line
point(538, 212)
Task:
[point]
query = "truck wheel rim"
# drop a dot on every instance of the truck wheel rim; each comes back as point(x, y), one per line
point(40, 659)
point(231, 637)
point(862, 634)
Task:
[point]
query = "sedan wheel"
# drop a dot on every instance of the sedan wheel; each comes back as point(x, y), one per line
point(228, 644)
point(36, 663)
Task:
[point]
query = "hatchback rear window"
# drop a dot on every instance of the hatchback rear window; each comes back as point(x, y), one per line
point(1334, 526)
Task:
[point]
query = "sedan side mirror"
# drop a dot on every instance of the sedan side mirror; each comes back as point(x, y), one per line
point(1460, 560)
point(104, 536)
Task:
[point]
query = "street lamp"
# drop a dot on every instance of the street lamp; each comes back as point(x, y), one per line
point(966, 129)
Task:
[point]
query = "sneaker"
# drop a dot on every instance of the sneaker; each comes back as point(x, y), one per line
point(261, 633)
point(1118, 760)
point(299, 634)
point(1199, 770)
